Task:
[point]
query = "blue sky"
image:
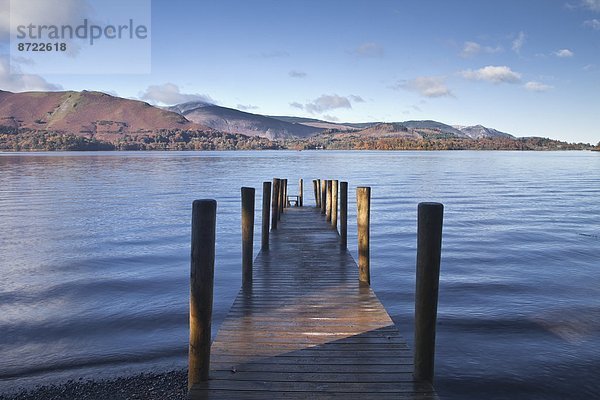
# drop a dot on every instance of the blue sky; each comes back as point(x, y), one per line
point(528, 67)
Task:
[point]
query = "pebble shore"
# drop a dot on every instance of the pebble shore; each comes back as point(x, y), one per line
point(170, 385)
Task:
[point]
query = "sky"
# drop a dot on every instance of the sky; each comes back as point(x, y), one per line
point(526, 67)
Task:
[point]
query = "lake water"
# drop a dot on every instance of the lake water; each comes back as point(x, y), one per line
point(94, 258)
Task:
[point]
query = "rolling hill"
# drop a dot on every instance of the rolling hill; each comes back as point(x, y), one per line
point(89, 114)
point(230, 120)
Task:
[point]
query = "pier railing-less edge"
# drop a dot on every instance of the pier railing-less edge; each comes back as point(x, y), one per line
point(326, 193)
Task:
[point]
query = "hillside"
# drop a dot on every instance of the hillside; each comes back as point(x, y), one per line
point(480, 132)
point(98, 121)
point(230, 120)
point(93, 115)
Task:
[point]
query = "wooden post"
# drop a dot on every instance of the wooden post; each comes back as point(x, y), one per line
point(248, 195)
point(429, 250)
point(363, 217)
point(285, 193)
point(301, 194)
point(280, 199)
point(334, 203)
point(204, 215)
point(344, 215)
point(275, 204)
point(329, 202)
point(323, 195)
point(316, 189)
point(319, 192)
point(266, 208)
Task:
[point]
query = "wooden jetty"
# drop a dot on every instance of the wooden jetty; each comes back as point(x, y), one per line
point(305, 324)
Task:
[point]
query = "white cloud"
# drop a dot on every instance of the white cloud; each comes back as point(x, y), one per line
point(494, 74)
point(428, 86)
point(297, 74)
point(18, 82)
point(327, 102)
point(533, 86)
point(593, 5)
point(60, 12)
point(564, 53)
point(169, 94)
point(471, 49)
point(518, 43)
point(328, 117)
point(369, 49)
point(592, 23)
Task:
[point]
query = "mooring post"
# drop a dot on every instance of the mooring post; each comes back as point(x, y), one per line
point(248, 195)
point(344, 215)
point(323, 195)
point(204, 215)
point(334, 203)
point(275, 204)
point(301, 194)
point(429, 250)
point(329, 202)
point(316, 190)
point(363, 219)
point(266, 208)
point(285, 193)
point(280, 199)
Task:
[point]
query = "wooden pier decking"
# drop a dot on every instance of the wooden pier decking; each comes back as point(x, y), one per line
point(306, 328)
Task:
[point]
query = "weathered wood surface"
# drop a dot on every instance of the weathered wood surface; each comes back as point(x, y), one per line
point(306, 328)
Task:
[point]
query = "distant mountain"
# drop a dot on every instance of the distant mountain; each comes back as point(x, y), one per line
point(317, 123)
point(90, 114)
point(187, 107)
point(433, 127)
point(230, 120)
point(95, 120)
point(388, 129)
point(480, 132)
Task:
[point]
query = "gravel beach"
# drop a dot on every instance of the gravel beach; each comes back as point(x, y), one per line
point(170, 385)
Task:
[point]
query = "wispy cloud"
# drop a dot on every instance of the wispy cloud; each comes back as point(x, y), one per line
point(428, 86)
point(518, 42)
point(62, 12)
point(246, 107)
point(593, 5)
point(297, 74)
point(533, 86)
point(170, 94)
point(471, 49)
point(18, 82)
point(327, 102)
point(370, 49)
point(563, 53)
point(494, 74)
point(328, 117)
point(592, 23)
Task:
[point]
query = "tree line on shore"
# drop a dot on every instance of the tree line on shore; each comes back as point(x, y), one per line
point(29, 140)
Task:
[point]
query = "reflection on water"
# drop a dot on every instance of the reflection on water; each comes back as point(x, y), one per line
point(94, 254)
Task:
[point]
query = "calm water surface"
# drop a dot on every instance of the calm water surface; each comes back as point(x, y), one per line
point(94, 257)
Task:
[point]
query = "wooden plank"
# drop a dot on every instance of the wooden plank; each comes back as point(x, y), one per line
point(307, 328)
